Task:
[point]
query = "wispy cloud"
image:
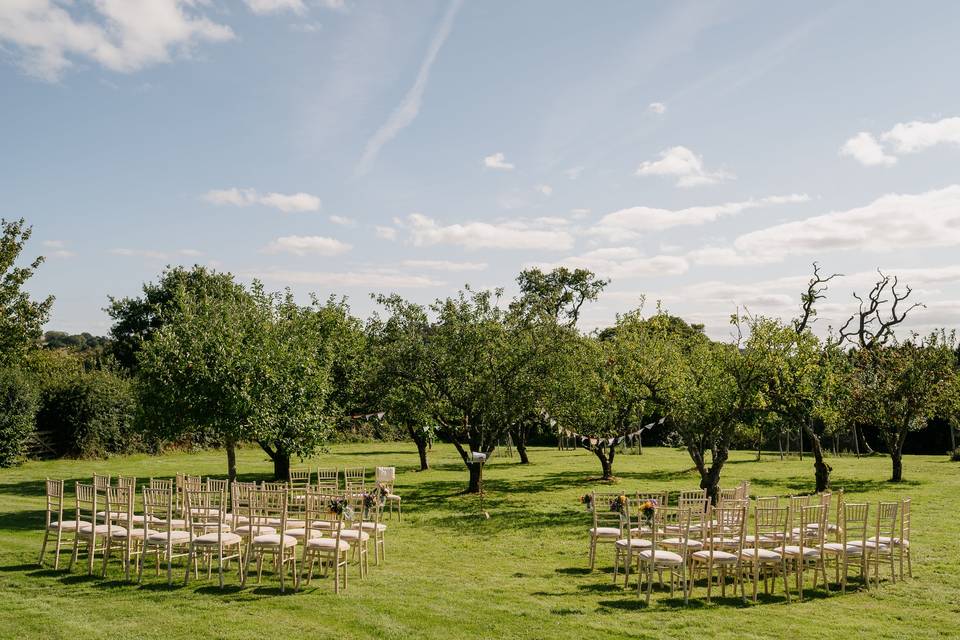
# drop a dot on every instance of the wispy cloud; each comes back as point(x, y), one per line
point(657, 108)
point(275, 6)
point(515, 234)
point(444, 265)
point(58, 249)
point(288, 203)
point(865, 149)
point(154, 254)
point(408, 109)
point(685, 165)
point(307, 245)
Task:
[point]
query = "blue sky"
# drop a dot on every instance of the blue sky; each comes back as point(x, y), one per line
point(702, 154)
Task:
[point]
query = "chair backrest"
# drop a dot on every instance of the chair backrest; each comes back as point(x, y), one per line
point(814, 514)
point(796, 504)
point(854, 522)
point(269, 505)
point(701, 505)
point(767, 502)
point(161, 483)
point(603, 513)
point(130, 482)
point(692, 494)
point(317, 509)
point(158, 507)
point(353, 477)
point(770, 524)
point(385, 477)
point(743, 490)
point(203, 509)
point(727, 528)
point(887, 520)
point(661, 498)
point(54, 501)
point(328, 478)
point(86, 498)
point(729, 494)
point(905, 521)
point(214, 484)
point(100, 483)
point(119, 508)
point(273, 486)
point(301, 477)
point(673, 522)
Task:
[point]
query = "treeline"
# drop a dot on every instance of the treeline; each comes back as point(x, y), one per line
point(201, 358)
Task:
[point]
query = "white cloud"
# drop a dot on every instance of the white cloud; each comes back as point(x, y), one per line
point(578, 214)
point(444, 265)
point(657, 108)
point(385, 233)
point(903, 137)
point(48, 36)
point(408, 109)
point(633, 221)
point(288, 203)
point(911, 137)
point(343, 221)
point(573, 172)
point(864, 148)
point(58, 249)
point(685, 165)
point(891, 222)
point(497, 161)
point(624, 262)
point(275, 6)
point(544, 189)
point(374, 278)
point(307, 245)
point(484, 235)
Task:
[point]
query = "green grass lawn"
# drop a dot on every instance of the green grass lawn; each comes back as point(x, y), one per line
point(450, 573)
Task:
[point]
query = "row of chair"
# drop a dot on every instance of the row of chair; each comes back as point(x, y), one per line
point(696, 539)
point(354, 479)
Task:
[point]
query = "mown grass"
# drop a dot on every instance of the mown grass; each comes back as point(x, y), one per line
point(450, 573)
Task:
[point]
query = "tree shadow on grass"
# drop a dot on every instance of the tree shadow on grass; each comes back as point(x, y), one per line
point(806, 484)
point(30, 520)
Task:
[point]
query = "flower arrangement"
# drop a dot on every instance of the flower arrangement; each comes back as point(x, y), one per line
point(619, 504)
point(647, 509)
point(375, 498)
point(587, 500)
point(337, 506)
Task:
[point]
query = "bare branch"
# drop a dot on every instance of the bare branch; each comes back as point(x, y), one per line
point(872, 327)
point(816, 290)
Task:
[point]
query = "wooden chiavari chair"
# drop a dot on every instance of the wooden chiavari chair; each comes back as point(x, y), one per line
point(770, 526)
point(808, 549)
point(607, 525)
point(886, 529)
point(767, 502)
point(159, 508)
point(242, 525)
point(657, 559)
point(271, 506)
point(722, 547)
point(126, 539)
point(628, 548)
point(300, 478)
point(209, 537)
point(852, 530)
point(355, 533)
point(661, 499)
point(330, 551)
point(385, 478)
point(901, 542)
point(372, 504)
point(89, 533)
point(55, 524)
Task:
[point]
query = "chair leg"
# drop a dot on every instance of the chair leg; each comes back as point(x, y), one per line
point(43, 547)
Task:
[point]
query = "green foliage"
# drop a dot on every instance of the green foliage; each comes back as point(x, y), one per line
point(558, 294)
point(88, 413)
point(18, 407)
point(135, 320)
point(21, 319)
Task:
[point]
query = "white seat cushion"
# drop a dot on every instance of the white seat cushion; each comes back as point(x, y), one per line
point(750, 539)
point(871, 544)
point(719, 557)
point(640, 530)
point(68, 525)
point(354, 534)
point(301, 533)
point(836, 547)
point(176, 537)
point(605, 532)
point(765, 555)
point(85, 529)
point(257, 529)
point(273, 540)
point(636, 543)
point(887, 541)
point(661, 557)
point(370, 526)
point(676, 542)
point(720, 541)
point(211, 539)
point(291, 523)
point(134, 533)
point(794, 550)
point(328, 544)
point(393, 496)
point(173, 523)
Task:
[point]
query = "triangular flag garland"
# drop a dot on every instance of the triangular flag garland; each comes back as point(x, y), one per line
point(589, 443)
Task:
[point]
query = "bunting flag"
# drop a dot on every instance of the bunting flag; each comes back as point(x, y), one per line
point(590, 443)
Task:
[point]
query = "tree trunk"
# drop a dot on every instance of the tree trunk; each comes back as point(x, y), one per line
point(856, 441)
point(821, 468)
point(281, 462)
point(421, 442)
point(476, 478)
point(520, 442)
point(231, 460)
point(896, 457)
point(605, 463)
